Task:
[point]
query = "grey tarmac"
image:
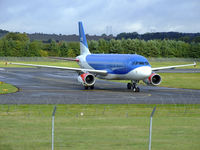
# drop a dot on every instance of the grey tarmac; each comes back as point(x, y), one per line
point(50, 86)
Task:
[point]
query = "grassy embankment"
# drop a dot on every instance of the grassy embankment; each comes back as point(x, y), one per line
point(7, 88)
point(177, 80)
point(101, 127)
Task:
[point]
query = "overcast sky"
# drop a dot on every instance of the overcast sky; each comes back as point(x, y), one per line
point(100, 16)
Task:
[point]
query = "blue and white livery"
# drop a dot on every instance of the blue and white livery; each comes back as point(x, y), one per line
point(111, 67)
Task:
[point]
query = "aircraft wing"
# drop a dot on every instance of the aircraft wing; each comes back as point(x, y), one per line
point(172, 67)
point(63, 58)
point(100, 72)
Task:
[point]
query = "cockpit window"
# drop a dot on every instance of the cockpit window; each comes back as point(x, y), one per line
point(140, 63)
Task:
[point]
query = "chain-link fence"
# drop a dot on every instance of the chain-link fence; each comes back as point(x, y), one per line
point(99, 127)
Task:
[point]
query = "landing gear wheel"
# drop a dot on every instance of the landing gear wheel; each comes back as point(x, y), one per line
point(137, 89)
point(134, 89)
point(129, 85)
point(92, 87)
point(134, 86)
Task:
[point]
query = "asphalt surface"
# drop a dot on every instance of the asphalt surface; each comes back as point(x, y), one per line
point(48, 86)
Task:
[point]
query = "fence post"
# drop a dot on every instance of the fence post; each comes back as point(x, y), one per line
point(150, 128)
point(53, 116)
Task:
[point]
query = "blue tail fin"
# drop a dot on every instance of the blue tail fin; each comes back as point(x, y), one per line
point(83, 41)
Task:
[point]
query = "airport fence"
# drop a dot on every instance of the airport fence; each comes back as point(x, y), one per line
point(99, 127)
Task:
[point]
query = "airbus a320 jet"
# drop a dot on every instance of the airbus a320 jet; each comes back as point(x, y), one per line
point(131, 67)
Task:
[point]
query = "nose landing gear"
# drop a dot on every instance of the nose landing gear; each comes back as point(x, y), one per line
point(134, 86)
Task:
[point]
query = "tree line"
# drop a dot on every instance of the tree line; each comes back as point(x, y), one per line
point(19, 45)
point(186, 37)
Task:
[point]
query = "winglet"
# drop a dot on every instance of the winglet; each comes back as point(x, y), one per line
point(83, 41)
point(195, 64)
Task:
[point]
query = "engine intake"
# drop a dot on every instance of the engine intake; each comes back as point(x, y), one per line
point(153, 79)
point(87, 79)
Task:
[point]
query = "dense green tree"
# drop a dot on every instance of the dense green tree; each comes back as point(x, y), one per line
point(63, 49)
point(71, 53)
point(93, 46)
point(19, 45)
point(34, 49)
point(196, 39)
point(103, 46)
point(153, 48)
point(115, 46)
point(194, 50)
point(43, 53)
point(75, 46)
point(53, 49)
point(17, 37)
point(4, 49)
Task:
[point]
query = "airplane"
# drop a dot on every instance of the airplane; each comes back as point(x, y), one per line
point(131, 67)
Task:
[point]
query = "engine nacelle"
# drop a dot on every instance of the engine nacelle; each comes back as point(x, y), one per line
point(153, 79)
point(87, 79)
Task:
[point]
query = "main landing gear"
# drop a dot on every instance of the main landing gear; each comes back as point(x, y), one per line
point(133, 86)
point(87, 87)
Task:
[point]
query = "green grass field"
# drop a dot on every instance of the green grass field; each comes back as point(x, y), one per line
point(181, 80)
point(102, 127)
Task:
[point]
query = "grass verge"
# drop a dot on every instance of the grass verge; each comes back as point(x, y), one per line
point(181, 80)
point(7, 88)
point(100, 127)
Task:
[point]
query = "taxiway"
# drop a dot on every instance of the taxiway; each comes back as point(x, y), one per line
point(48, 86)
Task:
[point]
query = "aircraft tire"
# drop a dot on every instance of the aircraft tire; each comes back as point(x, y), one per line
point(92, 87)
point(129, 85)
point(137, 89)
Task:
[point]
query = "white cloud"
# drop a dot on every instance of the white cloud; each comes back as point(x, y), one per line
point(61, 16)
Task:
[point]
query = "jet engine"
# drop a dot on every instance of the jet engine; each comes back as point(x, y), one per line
point(153, 79)
point(87, 79)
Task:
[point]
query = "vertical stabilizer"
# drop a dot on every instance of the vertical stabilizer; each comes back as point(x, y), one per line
point(83, 41)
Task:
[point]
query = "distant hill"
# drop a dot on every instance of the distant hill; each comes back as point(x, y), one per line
point(68, 38)
point(60, 37)
point(3, 32)
point(46, 38)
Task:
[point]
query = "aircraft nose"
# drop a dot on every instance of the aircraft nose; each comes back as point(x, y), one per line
point(144, 71)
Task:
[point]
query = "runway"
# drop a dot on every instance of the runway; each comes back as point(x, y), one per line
point(50, 86)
